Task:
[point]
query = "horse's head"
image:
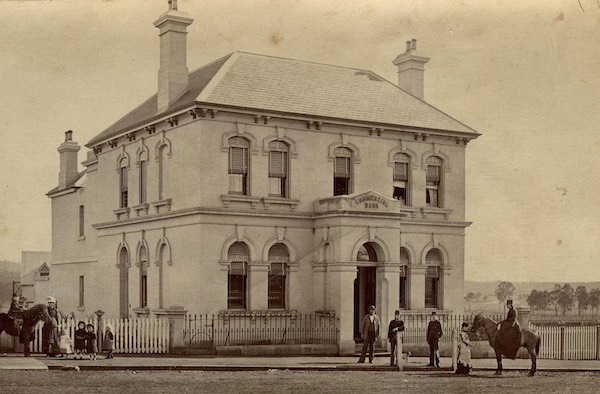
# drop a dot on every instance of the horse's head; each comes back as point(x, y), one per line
point(477, 323)
point(38, 312)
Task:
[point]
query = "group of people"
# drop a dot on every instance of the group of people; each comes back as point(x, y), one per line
point(55, 342)
point(370, 326)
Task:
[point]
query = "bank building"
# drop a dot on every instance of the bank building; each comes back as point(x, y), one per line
point(269, 185)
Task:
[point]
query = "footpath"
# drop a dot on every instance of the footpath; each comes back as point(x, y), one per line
point(14, 361)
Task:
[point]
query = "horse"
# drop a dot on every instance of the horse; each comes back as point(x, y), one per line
point(530, 340)
point(26, 334)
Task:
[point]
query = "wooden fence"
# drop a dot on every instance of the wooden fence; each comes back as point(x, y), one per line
point(569, 342)
point(130, 335)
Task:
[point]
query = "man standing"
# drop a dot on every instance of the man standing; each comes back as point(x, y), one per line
point(369, 331)
point(50, 338)
point(434, 332)
point(396, 325)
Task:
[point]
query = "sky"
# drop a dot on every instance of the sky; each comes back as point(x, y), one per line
point(525, 74)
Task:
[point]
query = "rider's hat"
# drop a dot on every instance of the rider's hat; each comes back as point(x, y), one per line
point(509, 302)
point(50, 299)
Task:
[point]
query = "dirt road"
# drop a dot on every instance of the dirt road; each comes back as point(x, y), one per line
point(282, 381)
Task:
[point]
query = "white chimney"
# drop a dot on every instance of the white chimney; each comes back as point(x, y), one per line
point(173, 73)
point(411, 69)
point(68, 161)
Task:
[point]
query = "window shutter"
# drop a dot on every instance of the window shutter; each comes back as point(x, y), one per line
point(433, 174)
point(237, 160)
point(278, 269)
point(342, 167)
point(277, 164)
point(433, 272)
point(400, 171)
point(237, 268)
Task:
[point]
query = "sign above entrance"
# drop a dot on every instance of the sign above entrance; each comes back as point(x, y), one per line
point(365, 202)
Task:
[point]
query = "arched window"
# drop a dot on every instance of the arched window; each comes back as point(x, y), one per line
point(404, 263)
point(124, 283)
point(278, 259)
point(143, 277)
point(123, 183)
point(433, 260)
point(434, 182)
point(143, 160)
point(238, 165)
point(401, 178)
point(162, 154)
point(238, 257)
point(278, 169)
point(342, 172)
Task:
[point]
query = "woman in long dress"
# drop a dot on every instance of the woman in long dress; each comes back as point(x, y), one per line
point(464, 351)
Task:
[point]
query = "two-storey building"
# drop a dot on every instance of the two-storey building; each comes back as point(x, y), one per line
point(258, 183)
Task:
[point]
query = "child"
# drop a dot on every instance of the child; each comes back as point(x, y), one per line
point(108, 343)
point(90, 342)
point(80, 335)
point(65, 344)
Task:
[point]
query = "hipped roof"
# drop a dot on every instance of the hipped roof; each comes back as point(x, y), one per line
point(294, 87)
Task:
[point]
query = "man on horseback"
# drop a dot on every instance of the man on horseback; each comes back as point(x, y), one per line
point(509, 333)
point(16, 312)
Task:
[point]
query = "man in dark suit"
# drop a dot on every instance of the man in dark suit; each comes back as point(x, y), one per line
point(369, 331)
point(434, 332)
point(394, 328)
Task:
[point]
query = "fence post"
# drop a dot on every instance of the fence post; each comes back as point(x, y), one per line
point(598, 342)
point(175, 315)
point(99, 331)
point(454, 350)
point(398, 355)
point(562, 342)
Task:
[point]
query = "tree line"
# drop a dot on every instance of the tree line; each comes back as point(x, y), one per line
point(564, 298)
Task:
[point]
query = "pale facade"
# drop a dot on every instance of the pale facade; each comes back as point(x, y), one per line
point(265, 184)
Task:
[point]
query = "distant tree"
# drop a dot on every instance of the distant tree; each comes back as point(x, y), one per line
point(581, 295)
point(470, 298)
point(538, 300)
point(554, 295)
point(504, 291)
point(566, 298)
point(594, 299)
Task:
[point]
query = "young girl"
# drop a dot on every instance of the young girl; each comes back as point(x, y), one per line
point(108, 343)
point(80, 335)
point(464, 351)
point(90, 342)
point(65, 344)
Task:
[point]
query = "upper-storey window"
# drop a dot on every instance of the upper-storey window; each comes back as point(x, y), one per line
point(342, 172)
point(123, 183)
point(238, 165)
point(434, 185)
point(143, 277)
point(143, 160)
point(278, 169)
point(401, 178)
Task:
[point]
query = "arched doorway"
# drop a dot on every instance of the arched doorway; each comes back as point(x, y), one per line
point(365, 284)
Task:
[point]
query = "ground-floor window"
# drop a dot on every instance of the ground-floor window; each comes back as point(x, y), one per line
point(237, 279)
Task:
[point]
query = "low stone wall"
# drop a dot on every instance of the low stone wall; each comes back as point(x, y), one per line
point(278, 350)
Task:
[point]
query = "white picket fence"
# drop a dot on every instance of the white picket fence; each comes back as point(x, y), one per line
point(146, 335)
point(568, 342)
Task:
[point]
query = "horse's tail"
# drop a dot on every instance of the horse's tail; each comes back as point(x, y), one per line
point(537, 346)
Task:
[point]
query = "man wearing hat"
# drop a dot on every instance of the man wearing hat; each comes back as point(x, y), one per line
point(509, 333)
point(434, 332)
point(369, 331)
point(50, 337)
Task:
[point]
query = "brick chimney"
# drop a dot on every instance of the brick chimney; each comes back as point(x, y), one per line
point(173, 73)
point(68, 161)
point(411, 69)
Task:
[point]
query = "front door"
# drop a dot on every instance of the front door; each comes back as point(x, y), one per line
point(364, 295)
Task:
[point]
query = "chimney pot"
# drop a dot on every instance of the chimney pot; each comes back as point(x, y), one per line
point(69, 135)
point(407, 46)
point(414, 44)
